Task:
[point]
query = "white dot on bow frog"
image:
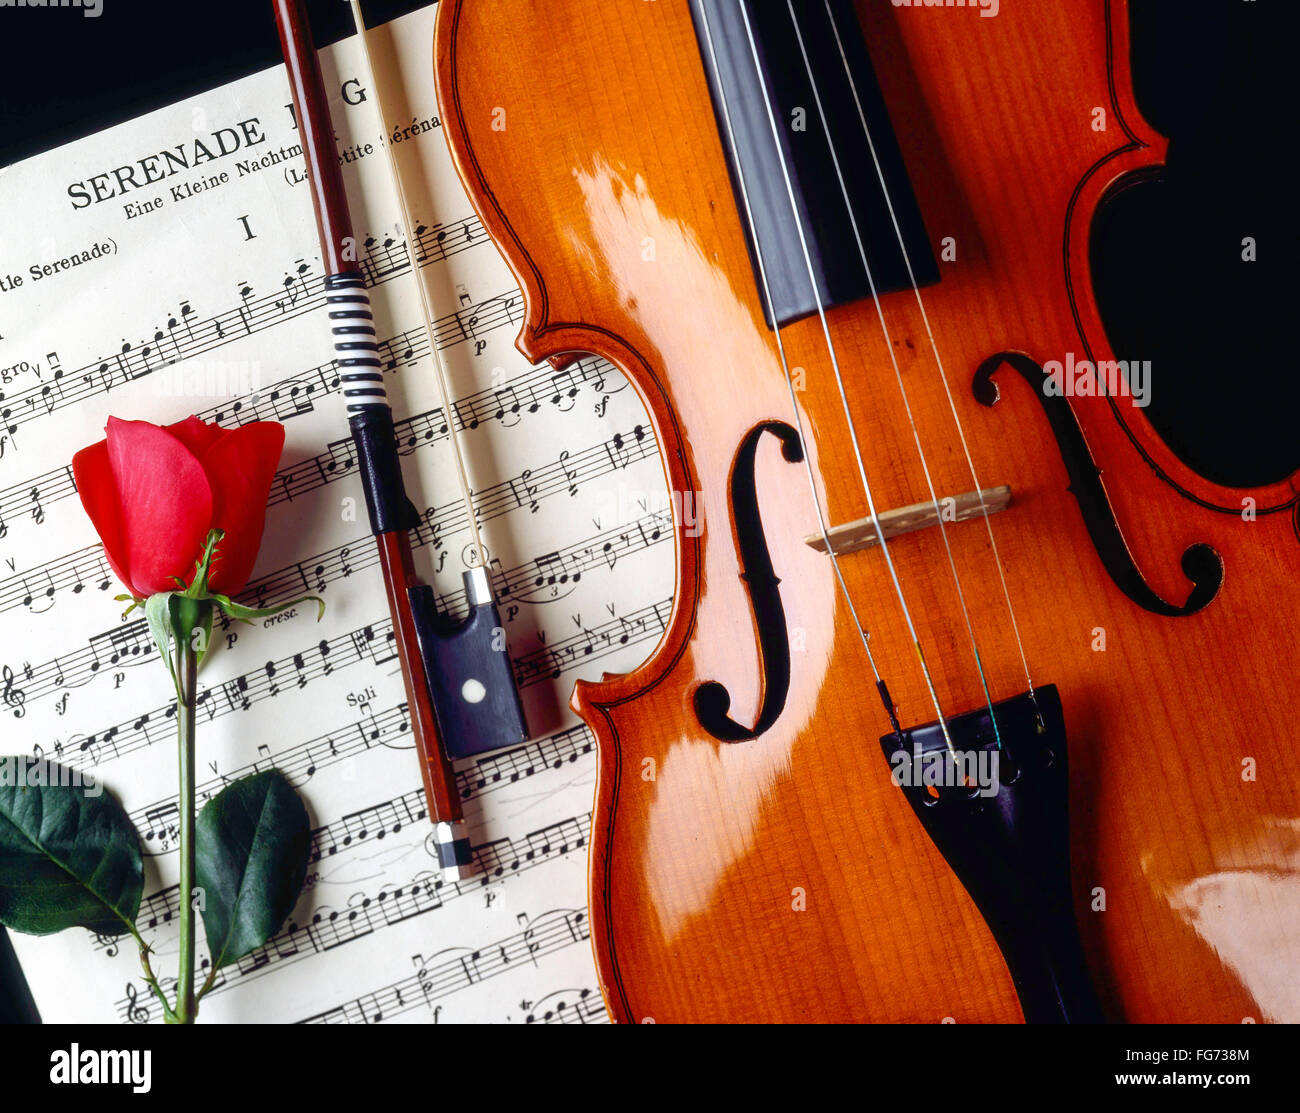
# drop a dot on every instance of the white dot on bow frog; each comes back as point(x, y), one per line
point(472, 691)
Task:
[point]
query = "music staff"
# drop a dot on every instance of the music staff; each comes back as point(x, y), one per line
point(187, 336)
point(112, 649)
point(403, 349)
point(84, 570)
point(541, 389)
point(549, 662)
point(538, 580)
point(548, 933)
point(367, 913)
point(568, 1006)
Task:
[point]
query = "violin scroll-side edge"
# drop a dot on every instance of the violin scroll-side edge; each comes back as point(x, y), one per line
point(1142, 155)
point(542, 339)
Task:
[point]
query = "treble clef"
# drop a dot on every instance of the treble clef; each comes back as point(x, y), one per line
point(136, 1013)
point(109, 943)
point(12, 695)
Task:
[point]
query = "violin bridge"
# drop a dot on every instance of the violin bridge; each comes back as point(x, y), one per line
point(852, 537)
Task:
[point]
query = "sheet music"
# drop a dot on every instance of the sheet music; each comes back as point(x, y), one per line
point(200, 291)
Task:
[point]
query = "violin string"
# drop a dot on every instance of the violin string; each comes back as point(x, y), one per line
point(822, 522)
point(898, 373)
point(839, 380)
point(934, 347)
point(426, 302)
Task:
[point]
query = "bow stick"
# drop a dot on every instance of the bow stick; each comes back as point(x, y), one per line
point(460, 685)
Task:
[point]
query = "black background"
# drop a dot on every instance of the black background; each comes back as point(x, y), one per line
point(1210, 74)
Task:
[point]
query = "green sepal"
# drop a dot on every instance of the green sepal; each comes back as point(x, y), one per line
point(135, 602)
point(240, 613)
point(198, 588)
point(190, 615)
point(173, 614)
point(157, 610)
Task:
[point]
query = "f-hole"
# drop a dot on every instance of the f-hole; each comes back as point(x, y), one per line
point(712, 700)
point(1201, 564)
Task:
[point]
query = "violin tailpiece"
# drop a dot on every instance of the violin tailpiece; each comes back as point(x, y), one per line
point(995, 804)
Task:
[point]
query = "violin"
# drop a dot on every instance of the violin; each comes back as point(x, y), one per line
point(973, 701)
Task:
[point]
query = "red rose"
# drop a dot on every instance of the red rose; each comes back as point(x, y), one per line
point(153, 493)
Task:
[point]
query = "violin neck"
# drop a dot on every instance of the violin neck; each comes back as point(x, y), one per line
point(809, 106)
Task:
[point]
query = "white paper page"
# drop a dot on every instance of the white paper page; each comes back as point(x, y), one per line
point(210, 302)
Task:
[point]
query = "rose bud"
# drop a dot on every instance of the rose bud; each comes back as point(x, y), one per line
point(154, 492)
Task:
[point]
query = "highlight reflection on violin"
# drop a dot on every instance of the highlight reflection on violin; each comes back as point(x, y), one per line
point(842, 251)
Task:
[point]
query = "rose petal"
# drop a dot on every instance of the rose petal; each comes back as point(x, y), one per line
point(240, 468)
point(93, 475)
point(165, 501)
point(196, 435)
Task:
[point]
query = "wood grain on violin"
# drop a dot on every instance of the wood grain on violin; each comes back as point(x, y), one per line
point(755, 861)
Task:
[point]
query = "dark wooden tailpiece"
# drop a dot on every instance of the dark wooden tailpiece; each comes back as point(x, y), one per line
point(1010, 849)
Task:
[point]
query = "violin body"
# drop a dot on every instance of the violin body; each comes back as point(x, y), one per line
point(783, 876)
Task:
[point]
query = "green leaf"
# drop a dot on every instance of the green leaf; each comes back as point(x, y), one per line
point(241, 613)
point(67, 859)
point(252, 846)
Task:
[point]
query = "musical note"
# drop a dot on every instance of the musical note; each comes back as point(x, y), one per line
point(162, 823)
point(237, 693)
point(567, 1007)
point(245, 296)
point(548, 934)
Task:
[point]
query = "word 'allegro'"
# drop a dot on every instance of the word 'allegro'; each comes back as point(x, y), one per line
point(91, 9)
point(19, 771)
point(1108, 377)
point(987, 8)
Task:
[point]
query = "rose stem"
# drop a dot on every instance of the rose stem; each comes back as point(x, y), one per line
point(187, 674)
